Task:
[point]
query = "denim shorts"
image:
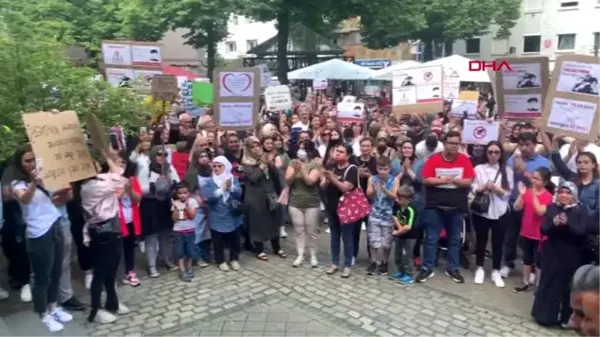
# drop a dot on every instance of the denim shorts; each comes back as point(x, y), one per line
point(184, 246)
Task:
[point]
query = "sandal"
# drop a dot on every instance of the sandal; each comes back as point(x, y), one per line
point(281, 254)
point(262, 257)
point(332, 270)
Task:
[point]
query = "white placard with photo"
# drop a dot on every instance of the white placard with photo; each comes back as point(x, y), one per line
point(424, 84)
point(320, 84)
point(236, 84)
point(349, 99)
point(119, 78)
point(278, 98)
point(579, 77)
point(459, 107)
point(571, 115)
point(233, 114)
point(522, 76)
point(523, 106)
point(146, 75)
point(350, 112)
point(116, 54)
point(146, 55)
point(480, 132)
point(265, 75)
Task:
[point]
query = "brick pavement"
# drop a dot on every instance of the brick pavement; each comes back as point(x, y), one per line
point(272, 298)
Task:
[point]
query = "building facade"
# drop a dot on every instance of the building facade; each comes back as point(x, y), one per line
point(244, 34)
point(545, 28)
point(176, 53)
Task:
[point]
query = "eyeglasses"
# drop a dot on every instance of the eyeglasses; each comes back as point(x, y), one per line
point(160, 154)
point(452, 143)
point(493, 152)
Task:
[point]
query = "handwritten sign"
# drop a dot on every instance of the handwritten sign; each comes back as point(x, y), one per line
point(57, 141)
point(165, 87)
point(278, 98)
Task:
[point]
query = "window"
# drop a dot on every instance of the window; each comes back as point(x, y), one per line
point(231, 47)
point(473, 46)
point(566, 42)
point(569, 4)
point(251, 44)
point(532, 43)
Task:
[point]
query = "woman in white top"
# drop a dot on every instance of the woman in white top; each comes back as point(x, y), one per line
point(494, 178)
point(43, 238)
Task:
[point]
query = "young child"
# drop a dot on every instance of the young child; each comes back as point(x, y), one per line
point(184, 207)
point(180, 159)
point(533, 202)
point(382, 191)
point(405, 234)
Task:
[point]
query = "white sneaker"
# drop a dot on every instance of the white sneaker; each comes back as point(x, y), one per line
point(104, 317)
point(353, 261)
point(479, 275)
point(505, 271)
point(88, 280)
point(51, 324)
point(235, 265)
point(532, 279)
point(298, 261)
point(224, 267)
point(327, 231)
point(497, 279)
point(123, 310)
point(313, 261)
point(60, 315)
point(363, 227)
point(26, 294)
point(282, 232)
point(4, 294)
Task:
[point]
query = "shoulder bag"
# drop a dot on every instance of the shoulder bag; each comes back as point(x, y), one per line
point(353, 205)
point(481, 201)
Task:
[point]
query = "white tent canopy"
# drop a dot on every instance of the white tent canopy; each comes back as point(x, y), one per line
point(332, 70)
point(460, 65)
point(385, 74)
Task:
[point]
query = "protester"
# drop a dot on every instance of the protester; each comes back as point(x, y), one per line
point(585, 301)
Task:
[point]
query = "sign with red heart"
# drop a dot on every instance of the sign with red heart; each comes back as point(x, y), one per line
point(236, 98)
point(237, 84)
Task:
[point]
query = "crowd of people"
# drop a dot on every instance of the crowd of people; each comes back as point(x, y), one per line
point(188, 195)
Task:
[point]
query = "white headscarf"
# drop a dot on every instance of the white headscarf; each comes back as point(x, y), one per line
point(223, 177)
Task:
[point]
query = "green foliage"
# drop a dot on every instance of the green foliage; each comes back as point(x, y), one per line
point(436, 20)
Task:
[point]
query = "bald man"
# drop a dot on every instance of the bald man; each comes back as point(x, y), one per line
point(585, 301)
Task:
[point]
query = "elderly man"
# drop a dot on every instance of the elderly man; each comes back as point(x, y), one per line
point(585, 300)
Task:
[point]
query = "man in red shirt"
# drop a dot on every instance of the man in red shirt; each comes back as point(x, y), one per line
point(447, 177)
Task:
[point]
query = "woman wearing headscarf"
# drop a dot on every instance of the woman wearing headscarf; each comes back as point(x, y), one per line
point(155, 208)
point(222, 194)
point(198, 173)
point(260, 199)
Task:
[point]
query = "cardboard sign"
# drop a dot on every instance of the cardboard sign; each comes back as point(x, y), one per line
point(521, 91)
point(350, 112)
point(236, 98)
point(165, 87)
point(480, 132)
point(59, 146)
point(97, 132)
point(571, 104)
point(278, 98)
point(417, 90)
point(320, 84)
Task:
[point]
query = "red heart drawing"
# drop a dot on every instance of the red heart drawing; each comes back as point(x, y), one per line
point(236, 83)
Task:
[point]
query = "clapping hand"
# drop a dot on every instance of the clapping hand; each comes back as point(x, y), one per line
point(522, 188)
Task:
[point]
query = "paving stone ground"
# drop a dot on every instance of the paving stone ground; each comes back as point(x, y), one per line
point(273, 299)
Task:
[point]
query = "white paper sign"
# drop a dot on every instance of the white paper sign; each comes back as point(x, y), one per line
point(146, 55)
point(236, 114)
point(119, 78)
point(451, 84)
point(571, 115)
point(522, 76)
point(523, 106)
point(350, 112)
point(265, 75)
point(459, 107)
point(116, 54)
point(579, 77)
point(349, 99)
point(319, 84)
point(278, 98)
point(236, 84)
point(480, 132)
point(417, 85)
point(372, 90)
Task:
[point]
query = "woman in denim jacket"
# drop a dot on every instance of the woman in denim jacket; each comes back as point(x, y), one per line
point(221, 193)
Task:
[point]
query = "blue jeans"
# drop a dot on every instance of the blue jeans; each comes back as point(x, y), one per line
point(434, 220)
point(337, 232)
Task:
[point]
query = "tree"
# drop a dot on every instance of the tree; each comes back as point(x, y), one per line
point(437, 21)
point(206, 21)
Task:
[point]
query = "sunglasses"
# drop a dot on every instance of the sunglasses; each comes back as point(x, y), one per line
point(160, 154)
point(493, 152)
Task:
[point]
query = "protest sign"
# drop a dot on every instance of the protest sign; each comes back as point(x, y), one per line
point(319, 84)
point(265, 75)
point(278, 98)
point(417, 90)
point(236, 98)
point(480, 132)
point(571, 104)
point(97, 132)
point(165, 87)
point(450, 84)
point(461, 108)
point(522, 90)
point(202, 93)
point(59, 146)
point(350, 112)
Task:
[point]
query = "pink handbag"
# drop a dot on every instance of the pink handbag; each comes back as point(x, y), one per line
point(284, 197)
point(353, 205)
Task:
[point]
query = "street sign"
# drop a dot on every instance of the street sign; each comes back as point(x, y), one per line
point(374, 63)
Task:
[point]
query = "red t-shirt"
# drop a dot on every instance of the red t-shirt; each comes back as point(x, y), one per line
point(531, 223)
point(450, 195)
